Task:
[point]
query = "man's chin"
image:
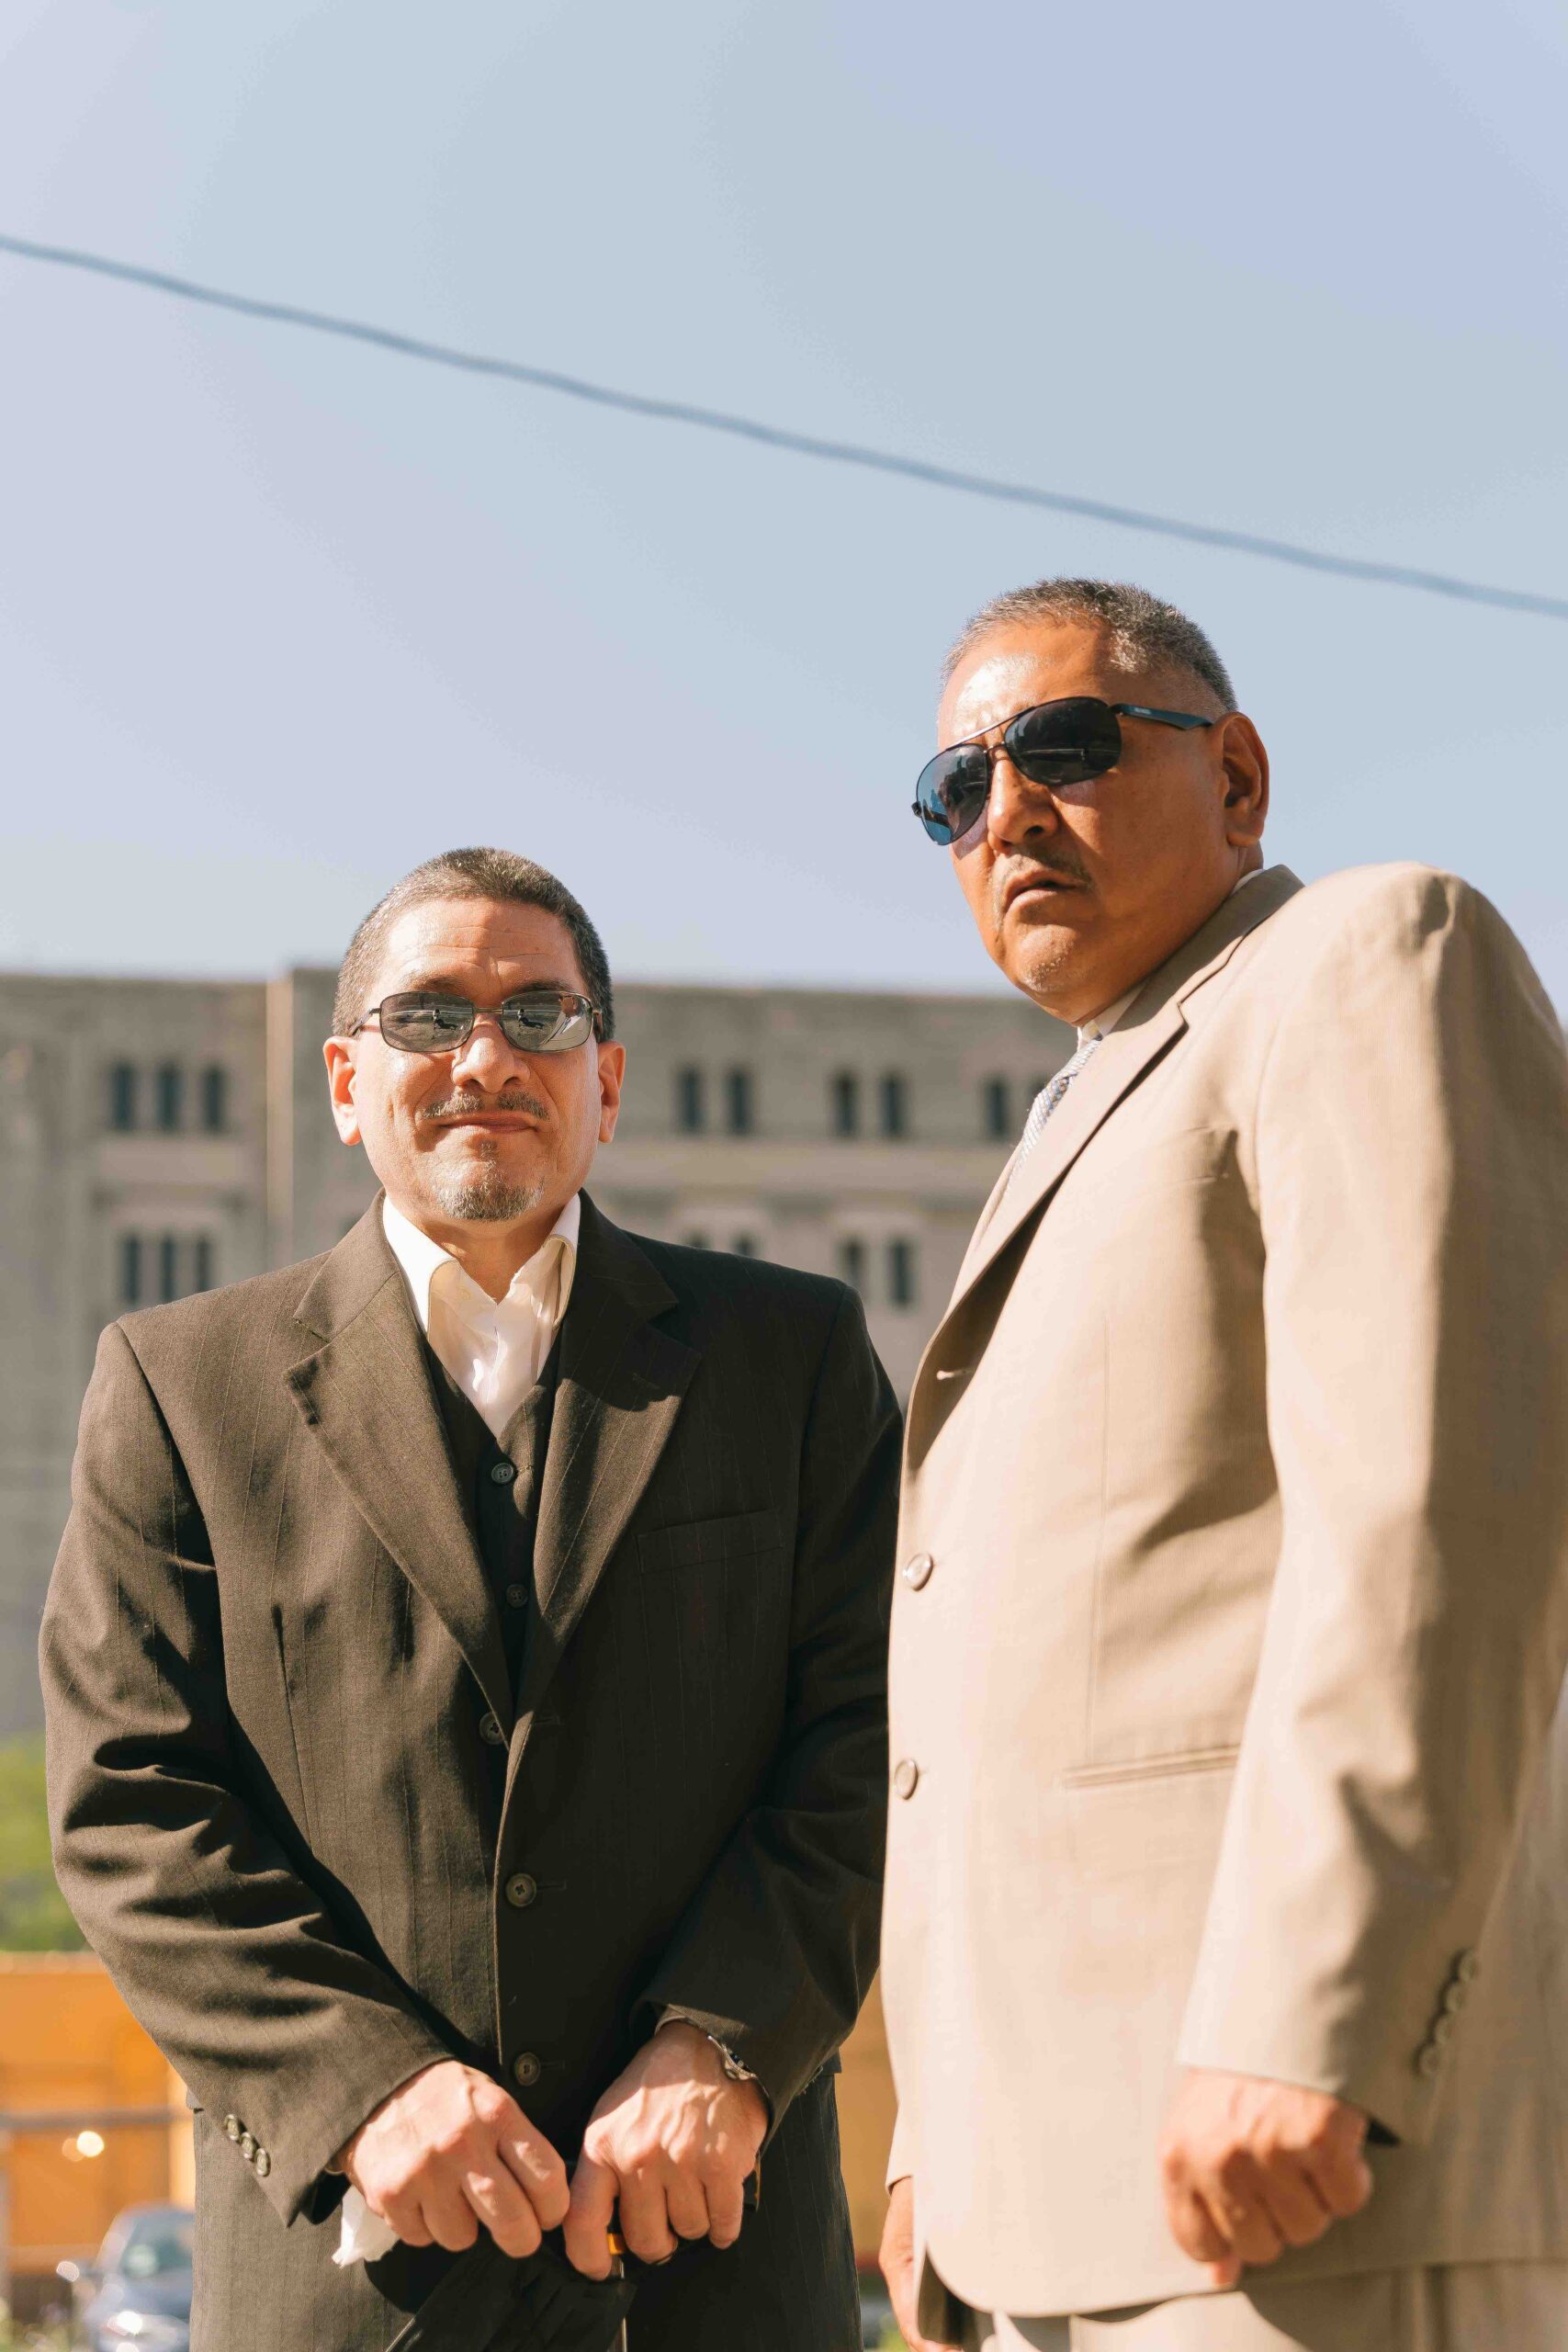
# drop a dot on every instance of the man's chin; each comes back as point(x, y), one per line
point(1045, 959)
point(486, 1196)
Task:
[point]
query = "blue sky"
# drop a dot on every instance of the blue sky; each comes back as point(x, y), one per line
point(280, 616)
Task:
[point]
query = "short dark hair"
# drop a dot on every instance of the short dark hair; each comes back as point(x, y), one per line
point(498, 874)
point(1145, 632)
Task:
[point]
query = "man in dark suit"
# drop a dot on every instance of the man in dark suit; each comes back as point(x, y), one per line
point(465, 1676)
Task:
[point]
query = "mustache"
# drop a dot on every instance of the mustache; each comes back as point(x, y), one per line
point(460, 1105)
point(1065, 867)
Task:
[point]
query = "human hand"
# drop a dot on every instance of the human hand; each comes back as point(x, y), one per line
point(451, 2149)
point(675, 2141)
point(895, 2258)
point(1250, 2168)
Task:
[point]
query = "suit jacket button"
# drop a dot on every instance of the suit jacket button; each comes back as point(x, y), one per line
point(521, 1890)
point(917, 1571)
point(526, 2069)
point(232, 2127)
point(491, 1733)
point(1467, 1968)
point(1455, 1996)
point(248, 2147)
point(904, 1775)
point(1430, 2061)
point(1442, 2031)
point(263, 2163)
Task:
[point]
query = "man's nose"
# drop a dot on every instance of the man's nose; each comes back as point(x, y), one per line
point(1017, 808)
point(485, 1059)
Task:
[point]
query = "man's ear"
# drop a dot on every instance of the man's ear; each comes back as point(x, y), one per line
point(339, 1057)
point(1245, 762)
point(611, 1077)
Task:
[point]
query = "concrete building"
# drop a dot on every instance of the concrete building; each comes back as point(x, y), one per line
point(160, 1136)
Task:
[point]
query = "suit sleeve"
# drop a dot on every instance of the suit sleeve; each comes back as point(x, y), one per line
point(774, 1955)
point(221, 1949)
point(1412, 1167)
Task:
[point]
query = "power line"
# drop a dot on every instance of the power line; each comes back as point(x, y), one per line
point(774, 436)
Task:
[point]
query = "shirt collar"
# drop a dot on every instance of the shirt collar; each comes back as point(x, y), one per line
point(421, 1259)
point(1092, 1032)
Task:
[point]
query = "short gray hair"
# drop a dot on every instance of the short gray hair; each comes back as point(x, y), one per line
point(498, 874)
point(1145, 633)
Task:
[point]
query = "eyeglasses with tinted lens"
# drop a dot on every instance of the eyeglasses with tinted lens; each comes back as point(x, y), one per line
point(535, 1021)
point(1058, 744)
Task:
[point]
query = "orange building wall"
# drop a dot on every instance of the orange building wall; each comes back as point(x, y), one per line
point(68, 2041)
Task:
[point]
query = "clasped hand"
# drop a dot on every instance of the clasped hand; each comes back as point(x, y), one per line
point(1250, 2167)
point(671, 2143)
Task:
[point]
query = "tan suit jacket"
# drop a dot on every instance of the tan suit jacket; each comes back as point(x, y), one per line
point(1234, 1610)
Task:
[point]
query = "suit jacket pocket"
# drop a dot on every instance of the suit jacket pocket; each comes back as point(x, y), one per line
point(1155, 1812)
point(701, 1543)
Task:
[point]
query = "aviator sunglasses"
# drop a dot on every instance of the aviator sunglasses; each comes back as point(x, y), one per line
point(535, 1021)
point(1058, 744)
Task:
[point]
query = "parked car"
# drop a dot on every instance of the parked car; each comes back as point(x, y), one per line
point(136, 2296)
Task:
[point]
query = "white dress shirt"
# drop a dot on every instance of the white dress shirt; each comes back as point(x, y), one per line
point(493, 1348)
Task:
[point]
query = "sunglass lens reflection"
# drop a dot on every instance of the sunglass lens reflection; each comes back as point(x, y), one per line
point(427, 1024)
point(1063, 742)
point(953, 789)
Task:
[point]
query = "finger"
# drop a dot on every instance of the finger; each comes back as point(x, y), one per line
point(726, 2209)
point(645, 2218)
point(1193, 2226)
point(1236, 2204)
point(1340, 2174)
point(449, 2216)
point(690, 2216)
point(1292, 2202)
point(402, 2214)
point(589, 2216)
point(531, 2161)
point(500, 2202)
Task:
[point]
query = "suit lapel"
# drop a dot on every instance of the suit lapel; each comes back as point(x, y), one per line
point(620, 1389)
point(1146, 1032)
point(366, 1397)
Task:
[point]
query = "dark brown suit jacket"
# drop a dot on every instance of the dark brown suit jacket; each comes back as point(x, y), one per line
point(291, 1779)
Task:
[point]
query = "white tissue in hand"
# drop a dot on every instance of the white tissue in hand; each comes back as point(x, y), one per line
point(365, 2237)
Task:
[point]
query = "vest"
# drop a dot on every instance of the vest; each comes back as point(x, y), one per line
point(500, 1487)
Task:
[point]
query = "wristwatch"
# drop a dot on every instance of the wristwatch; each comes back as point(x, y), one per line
point(733, 2066)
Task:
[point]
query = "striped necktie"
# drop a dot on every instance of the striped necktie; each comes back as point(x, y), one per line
point(1047, 1100)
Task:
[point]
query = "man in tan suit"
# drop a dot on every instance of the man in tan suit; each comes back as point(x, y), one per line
point(1224, 1950)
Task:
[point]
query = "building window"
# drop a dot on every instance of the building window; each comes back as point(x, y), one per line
point(169, 1097)
point(851, 1263)
point(694, 1241)
point(895, 1106)
point(902, 1286)
point(996, 1107)
point(123, 1091)
point(155, 1268)
point(744, 1246)
point(691, 1105)
point(739, 1104)
point(843, 1102)
point(215, 1100)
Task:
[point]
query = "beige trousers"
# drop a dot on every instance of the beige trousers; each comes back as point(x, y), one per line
point(1470, 2307)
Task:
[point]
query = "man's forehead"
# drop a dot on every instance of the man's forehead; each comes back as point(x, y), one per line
point(444, 938)
point(1016, 668)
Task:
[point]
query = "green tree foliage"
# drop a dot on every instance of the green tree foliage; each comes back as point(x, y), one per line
point(33, 1917)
